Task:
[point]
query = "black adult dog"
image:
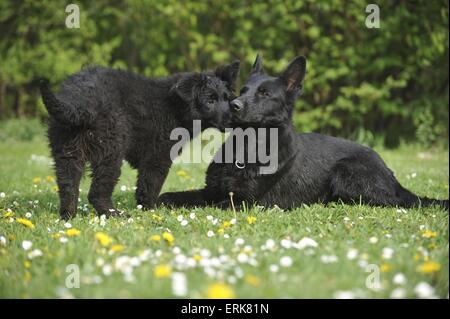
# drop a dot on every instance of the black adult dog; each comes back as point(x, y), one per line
point(312, 167)
point(104, 116)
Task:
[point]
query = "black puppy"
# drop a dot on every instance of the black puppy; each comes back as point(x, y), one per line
point(104, 116)
point(311, 167)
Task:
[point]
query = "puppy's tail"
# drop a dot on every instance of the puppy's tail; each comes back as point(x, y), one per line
point(63, 112)
point(410, 200)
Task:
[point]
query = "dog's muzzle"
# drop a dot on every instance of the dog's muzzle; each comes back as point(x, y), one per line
point(236, 105)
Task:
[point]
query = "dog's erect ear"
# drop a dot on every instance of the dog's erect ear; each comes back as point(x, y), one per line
point(294, 74)
point(186, 87)
point(229, 72)
point(257, 66)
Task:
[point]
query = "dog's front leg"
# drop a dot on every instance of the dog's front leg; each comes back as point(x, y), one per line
point(191, 198)
point(149, 184)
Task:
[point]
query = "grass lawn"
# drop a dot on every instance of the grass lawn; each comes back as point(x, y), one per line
point(312, 252)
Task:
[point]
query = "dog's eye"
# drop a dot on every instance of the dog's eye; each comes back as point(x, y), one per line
point(243, 90)
point(263, 92)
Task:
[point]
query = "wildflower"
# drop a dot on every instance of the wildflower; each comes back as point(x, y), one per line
point(306, 242)
point(26, 245)
point(286, 261)
point(123, 188)
point(73, 232)
point(49, 179)
point(3, 240)
point(168, 237)
point(25, 222)
point(116, 248)
point(162, 271)
point(210, 233)
point(344, 295)
point(352, 254)
point(429, 234)
point(387, 253)
point(68, 225)
point(252, 280)
point(197, 257)
point(182, 173)
point(242, 258)
point(399, 279)
point(273, 268)
point(270, 244)
point(157, 218)
point(328, 259)
point(179, 284)
point(27, 264)
point(139, 206)
point(429, 267)
point(398, 293)
point(55, 188)
point(103, 238)
point(424, 290)
point(220, 291)
point(251, 220)
point(192, 216)
point(155, 238)
point(8, 214)
point(2, 195)
point(385, 267)
point(239, 242)
point(107, 269)
point(63, 240)
point(36, 180)
point(35, 253)
point(373, 240)
point(184, 222)
point(180, 218)
point(286, 243)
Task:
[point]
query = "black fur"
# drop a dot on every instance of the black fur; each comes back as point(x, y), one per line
point(104, 116)
point(312, 167)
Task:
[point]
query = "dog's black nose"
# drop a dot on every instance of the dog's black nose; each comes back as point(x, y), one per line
point(237, 105)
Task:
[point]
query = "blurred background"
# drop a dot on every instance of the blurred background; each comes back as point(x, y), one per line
point(383, 86)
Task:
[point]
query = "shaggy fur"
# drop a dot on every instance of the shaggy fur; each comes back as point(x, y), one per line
point(103, 116)
point(312, 167)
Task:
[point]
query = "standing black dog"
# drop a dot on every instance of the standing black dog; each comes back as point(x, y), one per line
point(312, 167)
point(104, 116)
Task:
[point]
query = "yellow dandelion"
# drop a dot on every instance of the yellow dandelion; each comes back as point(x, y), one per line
point(103, 238)
point(226, 224)
point(251, 220)
point(157, 217)
point(220, 291)
point(429, 267)
point(168, 237)
point(117, 248)
point(155, 238)
point(55, 188)
point(25, 222)
point(252, 280)
point(162, 271)
point(49, 179)
point(220, 230)
point(27, 264)
point(56, 235)
point(8, 214)
point(197, 257)
point(385, 267)
point(72, 232)
point(36, 180)
point(429, 234)
point(182, 173)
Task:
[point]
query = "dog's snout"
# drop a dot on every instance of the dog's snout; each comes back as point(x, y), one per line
point(237, 105)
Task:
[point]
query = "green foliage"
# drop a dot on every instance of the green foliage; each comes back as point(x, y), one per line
point(21, 130)
point(391, 82)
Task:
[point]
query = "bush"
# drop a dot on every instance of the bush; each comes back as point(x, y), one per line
point(391, 81)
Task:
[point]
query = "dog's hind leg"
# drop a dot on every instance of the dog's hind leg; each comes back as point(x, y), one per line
point(355, 180)
point(69, 170)
point(105, 174)
point(187, 199)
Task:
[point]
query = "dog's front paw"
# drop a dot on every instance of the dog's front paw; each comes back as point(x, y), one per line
point(166, 199)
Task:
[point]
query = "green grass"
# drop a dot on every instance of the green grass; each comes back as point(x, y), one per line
point(336, 229)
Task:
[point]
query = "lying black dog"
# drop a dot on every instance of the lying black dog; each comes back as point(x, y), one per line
point(104, 116)
point(312, 167)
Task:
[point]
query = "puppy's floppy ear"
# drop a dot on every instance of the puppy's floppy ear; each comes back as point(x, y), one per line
point(229, 72)
point(294, 74)
point(188, 85)
point(257, 66)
